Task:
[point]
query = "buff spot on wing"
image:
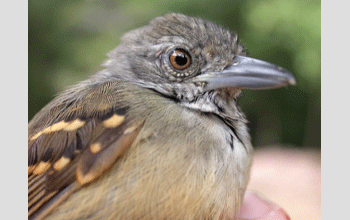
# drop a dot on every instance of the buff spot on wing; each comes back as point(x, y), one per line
point(74, 125)
point(41, 167)
point(130, 129)
point(62, 125)
point(113, 121)
point(56, 127)
point(36, 135)
point(95, 148)
point(30, 169)
point(61, 163)
point(83, 179)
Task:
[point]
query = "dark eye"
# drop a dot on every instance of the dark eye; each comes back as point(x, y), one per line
point(180, 59)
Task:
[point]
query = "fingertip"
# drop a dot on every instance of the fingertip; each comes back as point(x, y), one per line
point(279, 214)
point(254, 207)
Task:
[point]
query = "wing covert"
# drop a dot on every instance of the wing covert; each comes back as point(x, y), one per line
point(72, 143)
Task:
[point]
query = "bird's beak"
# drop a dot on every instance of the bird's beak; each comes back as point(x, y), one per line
point(247, 73)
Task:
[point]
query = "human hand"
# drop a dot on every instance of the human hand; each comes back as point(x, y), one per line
point(257, 208)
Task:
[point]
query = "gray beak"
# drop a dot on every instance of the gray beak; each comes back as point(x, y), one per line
point(247, 73)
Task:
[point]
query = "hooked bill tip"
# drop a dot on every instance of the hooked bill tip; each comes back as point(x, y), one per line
point(292, 81)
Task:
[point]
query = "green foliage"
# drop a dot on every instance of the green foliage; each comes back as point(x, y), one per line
point(68, 41)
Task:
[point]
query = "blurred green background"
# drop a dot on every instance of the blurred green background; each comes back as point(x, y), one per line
point(68, 41)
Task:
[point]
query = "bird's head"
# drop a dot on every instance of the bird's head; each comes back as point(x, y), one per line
point(190, 60)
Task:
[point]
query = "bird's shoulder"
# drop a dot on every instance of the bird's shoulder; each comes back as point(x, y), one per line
point(78, 136)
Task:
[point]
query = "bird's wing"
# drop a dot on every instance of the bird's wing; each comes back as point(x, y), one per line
point(72, 141)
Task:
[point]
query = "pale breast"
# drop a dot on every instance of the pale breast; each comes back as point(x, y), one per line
point(196, 172)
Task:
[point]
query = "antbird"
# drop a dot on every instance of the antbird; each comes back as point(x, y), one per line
point(156, 134)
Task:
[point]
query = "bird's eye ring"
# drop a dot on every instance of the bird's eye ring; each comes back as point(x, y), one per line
point(180, 59)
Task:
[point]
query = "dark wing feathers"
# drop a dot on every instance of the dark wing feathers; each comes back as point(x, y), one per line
point(72, 145)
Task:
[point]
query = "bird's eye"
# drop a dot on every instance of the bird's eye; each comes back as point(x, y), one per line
point(180, 59)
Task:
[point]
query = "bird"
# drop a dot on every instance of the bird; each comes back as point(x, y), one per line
point(156, 134)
